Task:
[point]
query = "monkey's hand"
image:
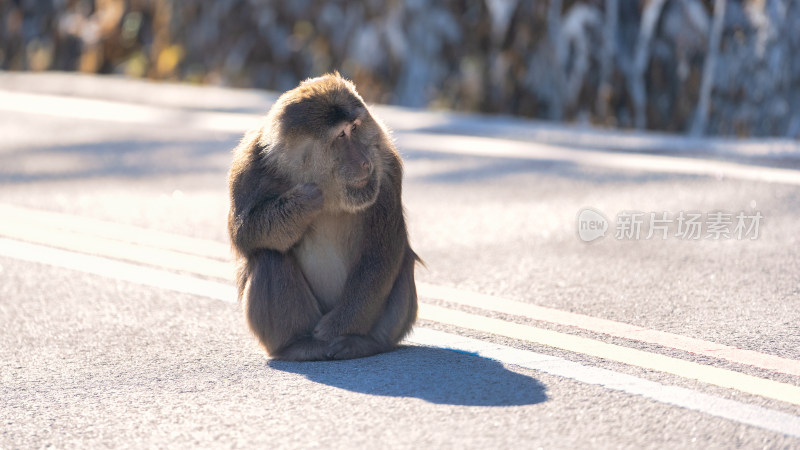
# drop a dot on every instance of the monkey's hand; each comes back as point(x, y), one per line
point(331, 326)
point(307, 198)
point(292, 215)
point(280, 224)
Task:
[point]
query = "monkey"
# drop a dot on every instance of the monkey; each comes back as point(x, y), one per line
point(324, 265)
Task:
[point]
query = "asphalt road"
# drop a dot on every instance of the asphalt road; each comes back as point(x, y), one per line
point(119, 329)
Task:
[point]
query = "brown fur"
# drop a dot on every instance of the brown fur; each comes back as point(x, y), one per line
point(325, 270)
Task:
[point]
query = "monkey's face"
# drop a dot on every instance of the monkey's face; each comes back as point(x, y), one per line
point(356, 167)
point(330, 139)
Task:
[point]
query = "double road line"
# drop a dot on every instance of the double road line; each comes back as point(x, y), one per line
point(203, 268)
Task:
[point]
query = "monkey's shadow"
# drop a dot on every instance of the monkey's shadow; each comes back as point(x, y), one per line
point(437, 375)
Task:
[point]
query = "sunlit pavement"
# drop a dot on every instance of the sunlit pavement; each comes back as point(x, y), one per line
point(666, 316)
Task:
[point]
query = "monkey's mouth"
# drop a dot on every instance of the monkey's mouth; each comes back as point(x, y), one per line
point(362, 192)
point(360, 184)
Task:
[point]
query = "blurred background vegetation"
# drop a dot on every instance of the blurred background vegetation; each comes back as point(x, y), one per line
point(720, 67)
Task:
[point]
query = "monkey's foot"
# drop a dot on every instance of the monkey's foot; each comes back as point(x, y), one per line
point(304, 350)
point(354, 346)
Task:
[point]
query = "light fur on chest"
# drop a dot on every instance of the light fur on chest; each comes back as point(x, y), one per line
point(326, 255)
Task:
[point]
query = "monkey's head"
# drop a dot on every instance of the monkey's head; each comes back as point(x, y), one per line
point(325, 135)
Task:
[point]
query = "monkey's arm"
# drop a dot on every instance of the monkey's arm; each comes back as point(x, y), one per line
point(275, 223)
point(385, 243)
point(266, 210)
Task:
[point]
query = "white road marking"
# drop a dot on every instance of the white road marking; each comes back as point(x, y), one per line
point(20, 218)
point(154, 248)
point(612, 328)
point(117, 270)
point(756, 416)
point(130, 252)
point(728, 409)
point(633, 357)
point(67, 232)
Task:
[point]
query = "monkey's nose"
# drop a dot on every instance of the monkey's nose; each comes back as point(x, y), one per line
point(366, 165)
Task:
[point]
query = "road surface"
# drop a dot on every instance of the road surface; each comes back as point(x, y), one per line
point(121, 328)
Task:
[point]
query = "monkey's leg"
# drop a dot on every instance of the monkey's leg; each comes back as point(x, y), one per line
point(281, 309)
point(394, 323)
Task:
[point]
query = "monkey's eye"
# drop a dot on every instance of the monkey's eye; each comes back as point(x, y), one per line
point(342, 134)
